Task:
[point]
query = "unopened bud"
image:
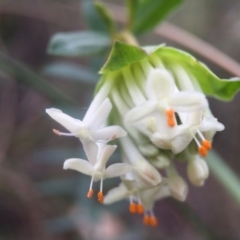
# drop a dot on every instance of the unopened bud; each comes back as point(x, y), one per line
point(178, 187)
point(197, 171)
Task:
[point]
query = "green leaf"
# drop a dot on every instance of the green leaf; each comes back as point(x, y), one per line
point(80, 43)
point(224, 174)
point(70, 71)
point(132, 6)
point(33, 80)
point(106, 17)
point(210, 84)
point(151, 12)
point(94, 18)
point(122, 55)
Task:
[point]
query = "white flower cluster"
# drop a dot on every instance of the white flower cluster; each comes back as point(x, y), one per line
point(166, 118)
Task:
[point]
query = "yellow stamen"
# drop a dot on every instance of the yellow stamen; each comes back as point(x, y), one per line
point(169, 113)
point(140, 208)
point(153, 221)
point(202, 151)
point(100, 197)
point(146, 220)
point(90, 193)
point(133, 208)
point(207, 144)
point(171, 122)
point(56, 132)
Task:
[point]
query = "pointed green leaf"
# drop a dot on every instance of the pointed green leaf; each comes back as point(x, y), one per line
point(106, 17)
point(211, 85)
point(80, 43)
point(132, 6)
point(151, 12)
point(98, 18)
point(122, 55)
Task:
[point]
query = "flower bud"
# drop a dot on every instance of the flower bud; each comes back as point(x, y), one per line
point(178, 187)
point(197, 171)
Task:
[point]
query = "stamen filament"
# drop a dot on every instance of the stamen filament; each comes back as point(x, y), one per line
point(153, 220)
point(100, 194)
point(90, 192)
point(170, 117)
point(132, 207)
point(146, 219)
point(62, 134)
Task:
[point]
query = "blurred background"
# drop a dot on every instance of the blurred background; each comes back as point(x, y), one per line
point(41, 201)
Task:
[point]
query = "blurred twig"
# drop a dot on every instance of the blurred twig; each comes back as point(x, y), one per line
point(187, 40)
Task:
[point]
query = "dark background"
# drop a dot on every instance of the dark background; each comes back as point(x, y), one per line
point(41, 201)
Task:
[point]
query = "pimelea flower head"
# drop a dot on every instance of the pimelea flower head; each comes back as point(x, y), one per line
point(155, 99)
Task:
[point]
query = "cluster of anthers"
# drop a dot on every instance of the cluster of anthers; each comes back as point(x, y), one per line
point(166, 118)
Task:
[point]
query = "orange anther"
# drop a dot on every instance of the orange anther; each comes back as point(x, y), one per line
point(140, 208)
point(170, 113)
point(153, 221)
point(146, 220)
point(171, 122)
point(56, 132)
point(202, 151)
point(133, 208)
point(90, 193)
point(100, 197)
point(207, 144)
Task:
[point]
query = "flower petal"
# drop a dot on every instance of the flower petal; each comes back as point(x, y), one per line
point(98, 99)
point(91, 150)
point(100, 116)
point(71, 124)
point(117, 169)
point(159, 85)
point(116, 194)
point(187, 101)
point(108, 133)
point(211, 124)
point(142, 111)
point(79, 165)
point(181, 142)
point(104, 156)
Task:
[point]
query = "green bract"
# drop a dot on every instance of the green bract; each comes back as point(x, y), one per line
point(125, 55)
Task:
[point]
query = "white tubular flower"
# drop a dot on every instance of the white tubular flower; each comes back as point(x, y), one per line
point(199, 126)
point(197, 171)
point(177, 185)
point(142, 168)
point(141, 198)
point(97, 169)
point(175, 138)
point(92, 127)
point(164, 98)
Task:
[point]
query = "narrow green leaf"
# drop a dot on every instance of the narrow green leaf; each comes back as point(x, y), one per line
point(33, 80)
point(211, 85)
point(94, 19)
point(151, 12)
point(225, 175)
point(132, 6)
point(122, 55)
point(70, 71)
point(80, 43)
point(106, 17)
